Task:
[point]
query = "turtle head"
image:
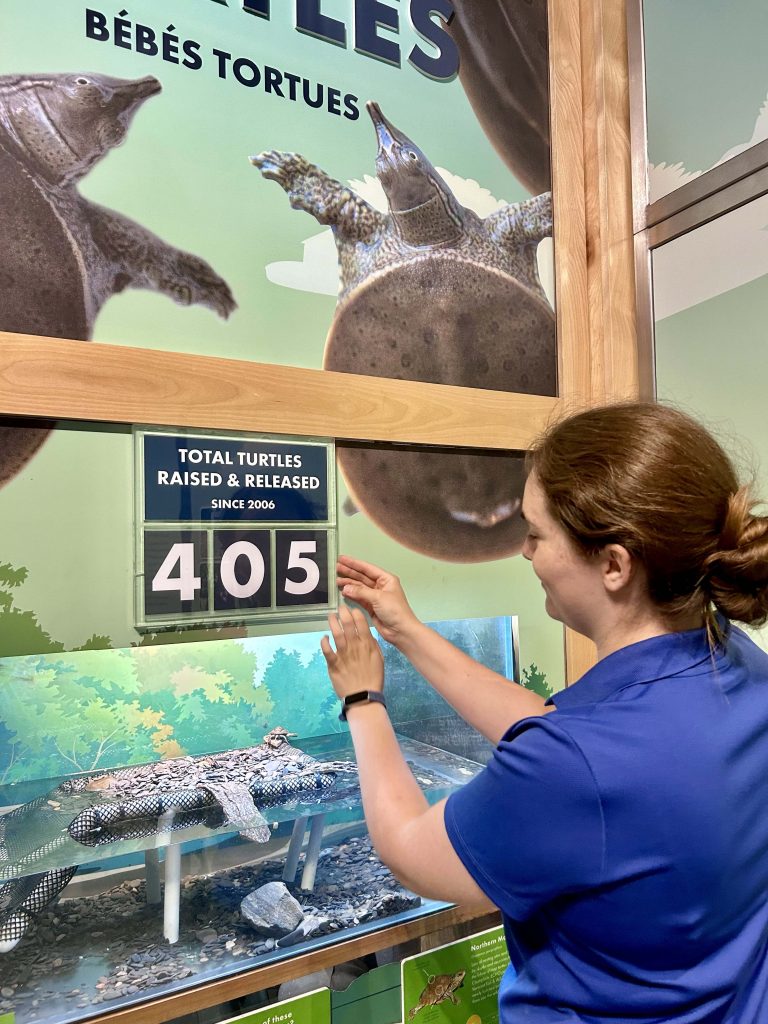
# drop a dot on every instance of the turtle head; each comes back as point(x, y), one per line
point(412, 184)
point(64, 124)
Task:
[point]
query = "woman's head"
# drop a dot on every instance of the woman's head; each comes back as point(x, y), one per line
point(654, 481)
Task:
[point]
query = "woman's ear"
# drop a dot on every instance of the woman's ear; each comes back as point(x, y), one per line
point(618, 567)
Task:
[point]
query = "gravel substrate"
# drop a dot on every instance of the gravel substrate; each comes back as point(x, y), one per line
point(109, 948)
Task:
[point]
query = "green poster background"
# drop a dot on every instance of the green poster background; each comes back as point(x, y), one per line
point(183, 171)
point(466, 974)
point(313, 1008)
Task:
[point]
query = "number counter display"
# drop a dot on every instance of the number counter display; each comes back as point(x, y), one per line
point(233, 529)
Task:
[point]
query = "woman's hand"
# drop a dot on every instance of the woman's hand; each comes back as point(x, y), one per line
point(380, 593)
point(357, 663)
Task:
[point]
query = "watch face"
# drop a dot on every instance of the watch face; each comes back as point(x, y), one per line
point(356, 698)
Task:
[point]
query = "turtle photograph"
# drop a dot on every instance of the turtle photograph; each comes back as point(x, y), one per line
point(439, 988)
point(430, 291)
point(64, 256)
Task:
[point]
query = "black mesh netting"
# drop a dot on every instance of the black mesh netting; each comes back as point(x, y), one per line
point(141, 801)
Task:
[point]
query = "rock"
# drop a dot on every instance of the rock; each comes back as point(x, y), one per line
point(206, 935)
point(271, 910)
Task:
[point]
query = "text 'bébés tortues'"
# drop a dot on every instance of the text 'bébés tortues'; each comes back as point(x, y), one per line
point(372, 33)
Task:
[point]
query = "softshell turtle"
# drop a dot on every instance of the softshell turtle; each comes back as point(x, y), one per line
point(439, 988)
point(430, 291)
point(63, 256)
point(504, 69)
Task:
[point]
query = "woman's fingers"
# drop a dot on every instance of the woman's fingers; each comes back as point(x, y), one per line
point(361, 623)
point(337, 631)
point(328, 652)
point(361, 572)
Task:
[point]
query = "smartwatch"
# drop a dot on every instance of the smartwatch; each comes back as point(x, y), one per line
point(361, 697)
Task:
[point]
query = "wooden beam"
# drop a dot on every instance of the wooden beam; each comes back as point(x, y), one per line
point(72, 380)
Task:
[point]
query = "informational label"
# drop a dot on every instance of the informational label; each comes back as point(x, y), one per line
point(232, 528)
point(202, 479)
point(457, 983)
point(313, 1008)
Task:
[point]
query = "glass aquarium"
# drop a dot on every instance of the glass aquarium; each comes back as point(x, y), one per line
point(176, 814)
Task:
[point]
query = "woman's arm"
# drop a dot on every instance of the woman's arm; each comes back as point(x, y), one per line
point(488, 701)
point(408, 835)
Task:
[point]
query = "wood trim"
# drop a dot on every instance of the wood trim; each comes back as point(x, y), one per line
point(580, 656)
point(73, 380)
point(608, 184)
point(592, 181)
point(192, 1000)
point(568, 192)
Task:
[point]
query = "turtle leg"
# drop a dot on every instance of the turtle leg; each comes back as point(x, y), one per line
point(520, 224)
point(535, 216)
point(140, 259)
point(518, 229)
point(329, 201)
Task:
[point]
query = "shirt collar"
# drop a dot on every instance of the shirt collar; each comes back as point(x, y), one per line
point(643, 662)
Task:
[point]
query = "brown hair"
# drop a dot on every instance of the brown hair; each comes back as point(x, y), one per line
point(654, 480)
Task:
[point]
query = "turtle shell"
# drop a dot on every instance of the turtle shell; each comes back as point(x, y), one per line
point(42, 288)
point(504, 69)
point(445, 320)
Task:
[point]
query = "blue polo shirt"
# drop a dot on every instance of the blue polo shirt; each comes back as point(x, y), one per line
point(624, 836)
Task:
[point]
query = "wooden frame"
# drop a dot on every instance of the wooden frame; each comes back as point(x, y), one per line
point(598, 362)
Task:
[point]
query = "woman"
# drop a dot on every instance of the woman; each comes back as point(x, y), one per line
point(621, 826)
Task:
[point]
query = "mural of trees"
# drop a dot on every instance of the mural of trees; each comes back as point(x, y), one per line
point(98, 707)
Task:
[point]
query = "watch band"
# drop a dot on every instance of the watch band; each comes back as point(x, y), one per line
point(361, 697)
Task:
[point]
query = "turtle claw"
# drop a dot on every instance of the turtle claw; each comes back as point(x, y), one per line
point(274, 165)
point(197, 283)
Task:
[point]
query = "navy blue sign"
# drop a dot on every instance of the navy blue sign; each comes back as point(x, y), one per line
point(206, 479)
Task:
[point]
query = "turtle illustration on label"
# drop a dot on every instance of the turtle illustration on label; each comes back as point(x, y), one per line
point(430, 291)
point(63, 256)
point(439, 988)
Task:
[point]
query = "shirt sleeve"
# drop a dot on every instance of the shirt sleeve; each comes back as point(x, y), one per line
point(529, 828)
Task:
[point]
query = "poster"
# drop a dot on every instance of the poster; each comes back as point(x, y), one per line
point(137, 217)
point(457, 983)
point(276, 183)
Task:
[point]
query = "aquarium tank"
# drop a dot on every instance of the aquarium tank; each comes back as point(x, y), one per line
point(176, 813)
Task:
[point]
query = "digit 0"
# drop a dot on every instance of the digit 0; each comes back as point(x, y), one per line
point(242, 549)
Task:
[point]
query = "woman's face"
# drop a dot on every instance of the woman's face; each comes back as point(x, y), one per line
point(572, 582)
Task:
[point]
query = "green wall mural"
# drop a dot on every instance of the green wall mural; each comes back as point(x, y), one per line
point(710, 360)
point(65, 712)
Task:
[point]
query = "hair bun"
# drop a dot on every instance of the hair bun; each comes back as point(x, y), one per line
point(736, 575)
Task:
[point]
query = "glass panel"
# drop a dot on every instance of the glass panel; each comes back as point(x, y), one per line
point(108, 826)
point(119, 747)
point(706, 85)
point(711, 304)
